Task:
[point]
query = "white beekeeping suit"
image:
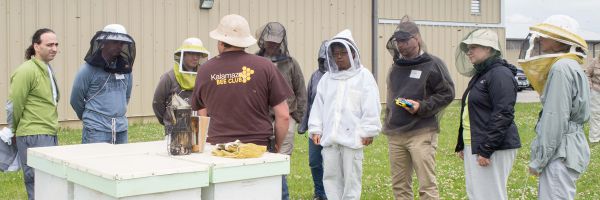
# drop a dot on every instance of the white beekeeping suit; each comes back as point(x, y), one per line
point(344, 114)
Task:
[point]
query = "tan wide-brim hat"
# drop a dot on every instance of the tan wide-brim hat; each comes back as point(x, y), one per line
point(561, 28)
point(234, 30)
point(483, 37)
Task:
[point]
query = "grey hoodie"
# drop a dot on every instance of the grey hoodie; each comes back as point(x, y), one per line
point(424, 79)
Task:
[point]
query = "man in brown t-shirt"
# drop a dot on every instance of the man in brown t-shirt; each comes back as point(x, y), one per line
point(236, 89)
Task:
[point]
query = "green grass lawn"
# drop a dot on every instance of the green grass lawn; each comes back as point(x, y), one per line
point(376, 175)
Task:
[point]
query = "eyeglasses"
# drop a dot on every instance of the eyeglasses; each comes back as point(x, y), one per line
point(341, 53)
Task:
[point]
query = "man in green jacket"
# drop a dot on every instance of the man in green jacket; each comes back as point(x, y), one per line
point(32, 102)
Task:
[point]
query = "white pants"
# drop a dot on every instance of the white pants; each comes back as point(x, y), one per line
point(557, 181)
point(594, 116)
point(288, 144)
point(488, 182)
point(342, 172)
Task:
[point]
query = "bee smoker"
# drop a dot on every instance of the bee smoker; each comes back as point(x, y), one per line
point(180, 137)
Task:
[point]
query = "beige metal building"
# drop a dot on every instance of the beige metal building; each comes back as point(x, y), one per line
point(159, 26)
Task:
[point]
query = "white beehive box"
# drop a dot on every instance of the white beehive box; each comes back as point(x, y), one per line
point(104, 171)
point(137, 175)
point(251, 178)
point(146, 171)
point(50, 167)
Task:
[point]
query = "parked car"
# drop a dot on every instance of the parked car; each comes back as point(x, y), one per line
point(522, 82)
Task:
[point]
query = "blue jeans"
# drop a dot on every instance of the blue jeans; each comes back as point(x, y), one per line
point(95, 136)
point(315, 161)
point(285, 194)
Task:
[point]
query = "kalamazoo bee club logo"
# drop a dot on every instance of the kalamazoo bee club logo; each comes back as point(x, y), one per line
point(233, 78)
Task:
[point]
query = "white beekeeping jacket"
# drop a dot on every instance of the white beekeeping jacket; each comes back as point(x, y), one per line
point(346, 107)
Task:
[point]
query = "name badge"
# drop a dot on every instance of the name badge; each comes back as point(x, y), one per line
point(120, 76)
point(415, 74)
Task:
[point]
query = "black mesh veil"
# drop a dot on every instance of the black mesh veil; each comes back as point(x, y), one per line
point(123, 63)
point(405, 27)
point(273, 32)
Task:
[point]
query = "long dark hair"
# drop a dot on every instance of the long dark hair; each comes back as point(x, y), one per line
point(36, 39)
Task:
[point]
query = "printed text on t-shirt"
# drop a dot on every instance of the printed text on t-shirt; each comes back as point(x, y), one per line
point(233, 78)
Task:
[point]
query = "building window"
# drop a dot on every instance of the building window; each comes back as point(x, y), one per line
point(475, 7)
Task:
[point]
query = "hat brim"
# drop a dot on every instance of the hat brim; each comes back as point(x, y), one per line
point(486, 43)
point(116, 38)
point(402, 35)
point(560, 34)
point(238, 42)
point(188, 48)
point(273, 38)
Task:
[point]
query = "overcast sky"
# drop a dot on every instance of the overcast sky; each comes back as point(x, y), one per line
point(520, 14)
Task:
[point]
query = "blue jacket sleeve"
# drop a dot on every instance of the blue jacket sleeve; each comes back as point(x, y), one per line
point(129, 87)
point(79, 91)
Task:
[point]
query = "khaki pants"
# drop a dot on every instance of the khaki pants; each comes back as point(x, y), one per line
point(287, 148)
point(288, 144)
point(413, 151)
